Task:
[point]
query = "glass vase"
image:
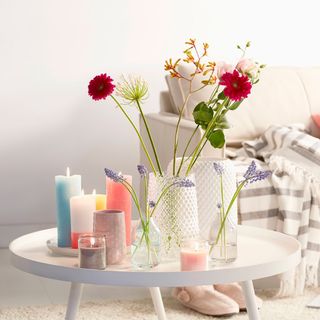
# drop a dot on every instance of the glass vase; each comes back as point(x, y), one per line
point(209, 192)
point(176, 214)
point(146, 246)
point(223, 239)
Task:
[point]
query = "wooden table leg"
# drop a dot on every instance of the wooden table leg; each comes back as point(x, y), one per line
point(158, 303)
point(74, 300)
point(250, 298)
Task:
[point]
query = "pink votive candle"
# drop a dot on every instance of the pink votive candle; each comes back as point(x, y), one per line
point(119, 198)
point(194, 255)
point(111, 224)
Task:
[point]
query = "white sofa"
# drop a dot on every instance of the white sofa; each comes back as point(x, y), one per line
point(284, 95)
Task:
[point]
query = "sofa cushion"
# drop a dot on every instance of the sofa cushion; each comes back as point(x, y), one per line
point(284, 95)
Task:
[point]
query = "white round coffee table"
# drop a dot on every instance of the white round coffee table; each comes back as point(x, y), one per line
point(261, 253)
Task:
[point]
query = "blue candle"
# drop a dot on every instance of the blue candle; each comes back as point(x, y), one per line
point(66, 187)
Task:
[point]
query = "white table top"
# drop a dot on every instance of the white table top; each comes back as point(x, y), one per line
point(261, 253)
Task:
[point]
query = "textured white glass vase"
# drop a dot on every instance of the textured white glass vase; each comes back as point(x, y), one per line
point(208, 191)
point(176, 215)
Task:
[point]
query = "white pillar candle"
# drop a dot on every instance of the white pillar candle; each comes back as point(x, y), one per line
point(81, 208)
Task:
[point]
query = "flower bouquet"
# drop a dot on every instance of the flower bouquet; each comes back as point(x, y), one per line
point(230, 86)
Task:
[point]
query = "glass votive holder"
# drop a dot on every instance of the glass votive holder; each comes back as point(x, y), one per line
point(194, 255)
point(92, 251)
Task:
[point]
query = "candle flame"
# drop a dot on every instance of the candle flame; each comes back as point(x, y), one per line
point(68, 172)
point(91, 241)
point(94, 192)
point(120, 173)
point(82, 192)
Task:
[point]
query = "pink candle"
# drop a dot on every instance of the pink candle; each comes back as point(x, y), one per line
point(111, 224)
point(119, 198)
point(194, 256)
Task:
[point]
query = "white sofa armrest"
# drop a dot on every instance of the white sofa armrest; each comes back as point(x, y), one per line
point(162, 126)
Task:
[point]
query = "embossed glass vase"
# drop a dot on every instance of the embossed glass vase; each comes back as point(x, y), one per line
point(208, 186)
point(176, 214)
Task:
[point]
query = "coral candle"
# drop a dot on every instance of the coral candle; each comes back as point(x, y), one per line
point(66, 187)
point(119, 198)
point(194, 255)
point(82, 208)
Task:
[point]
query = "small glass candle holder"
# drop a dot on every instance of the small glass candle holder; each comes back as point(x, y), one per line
point(92, 251)
point(194, 255)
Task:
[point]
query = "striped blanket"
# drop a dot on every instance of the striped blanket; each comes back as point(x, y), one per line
point(288, 201)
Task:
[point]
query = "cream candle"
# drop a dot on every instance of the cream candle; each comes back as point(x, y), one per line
point(81, 208)
point(194, 255)
point(119, 198)
point(66, 187)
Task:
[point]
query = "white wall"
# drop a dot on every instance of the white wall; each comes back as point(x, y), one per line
point(49, 50)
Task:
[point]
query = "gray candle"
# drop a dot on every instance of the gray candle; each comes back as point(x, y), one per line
point(92, 251)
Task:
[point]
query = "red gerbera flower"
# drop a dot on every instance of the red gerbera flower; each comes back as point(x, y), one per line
point(100, 87)
point(237, 87)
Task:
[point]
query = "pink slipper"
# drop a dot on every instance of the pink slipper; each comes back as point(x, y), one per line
point(234, 291)
point(206, 300)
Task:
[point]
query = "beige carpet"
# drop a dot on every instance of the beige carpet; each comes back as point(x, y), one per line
point(275, 309)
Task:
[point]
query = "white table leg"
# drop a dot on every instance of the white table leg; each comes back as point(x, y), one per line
point(158, 303)
point(74, 300)
point(250, 298)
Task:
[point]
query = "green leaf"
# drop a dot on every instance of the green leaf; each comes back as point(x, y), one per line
point(216, 138)
point(221, 96)
point(202, 114)
point(223, 125)
point(235, 105)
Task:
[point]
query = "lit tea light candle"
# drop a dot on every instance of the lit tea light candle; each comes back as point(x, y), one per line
point(194, 255)
point(82, 208)
point(119, 198)
point(66, 187)
point(92, 251)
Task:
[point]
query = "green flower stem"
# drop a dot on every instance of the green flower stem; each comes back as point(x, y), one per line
point(150, 137)
point(222, 195)
point(204, 137)
point(186, 149)
point(137, 132)
point(176, 134)
point(199, 153)
point(214, 92)
point(146, 195)
point(162, 194)
point(223, 244)
point(134, 197)
point(229, 208)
